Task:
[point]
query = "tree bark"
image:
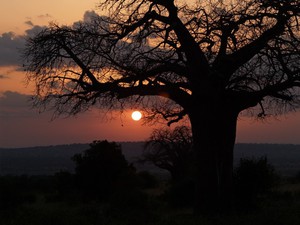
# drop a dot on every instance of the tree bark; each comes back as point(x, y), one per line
point(214, 133)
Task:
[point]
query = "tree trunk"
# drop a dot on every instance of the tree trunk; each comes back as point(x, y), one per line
point(214, 132)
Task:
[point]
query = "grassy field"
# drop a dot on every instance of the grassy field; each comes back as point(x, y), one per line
point(36, 201)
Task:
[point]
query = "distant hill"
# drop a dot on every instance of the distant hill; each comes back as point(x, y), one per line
point(39, 160)
point(284, 157)
point(47, 160)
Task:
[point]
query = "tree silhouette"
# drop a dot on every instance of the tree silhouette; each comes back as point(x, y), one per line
point(205, 60)
point(99, 168)
point(170, 150)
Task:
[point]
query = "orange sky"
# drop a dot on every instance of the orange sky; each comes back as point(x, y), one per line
point(14, 13)
point(21, 126)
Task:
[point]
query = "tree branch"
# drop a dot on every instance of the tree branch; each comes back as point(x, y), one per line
point(243, 55)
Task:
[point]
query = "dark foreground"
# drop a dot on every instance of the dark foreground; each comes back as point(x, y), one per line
point(48, 200)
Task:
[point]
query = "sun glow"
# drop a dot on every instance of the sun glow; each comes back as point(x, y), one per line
point(136, 115)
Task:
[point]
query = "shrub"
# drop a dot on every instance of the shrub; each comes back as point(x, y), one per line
point(100, 168)
point(253, 179)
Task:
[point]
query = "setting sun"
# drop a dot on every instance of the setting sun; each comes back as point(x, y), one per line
point(136, 115)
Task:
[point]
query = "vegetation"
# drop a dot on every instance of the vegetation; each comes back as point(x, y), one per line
point(253, 180)
point(206, 61)
point(170, 150)
point(140, 198)
point(101, 169)
point(41, 204)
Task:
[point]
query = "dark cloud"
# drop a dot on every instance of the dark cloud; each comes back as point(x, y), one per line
point(45, 16)
point(33, 31)
point(15, 105)
point(89, 16)
point(29, 22)
point(10, 45)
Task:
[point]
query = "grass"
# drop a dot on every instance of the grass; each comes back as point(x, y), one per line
point(282, 207)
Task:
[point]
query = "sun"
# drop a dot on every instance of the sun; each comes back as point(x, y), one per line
point(136, 115)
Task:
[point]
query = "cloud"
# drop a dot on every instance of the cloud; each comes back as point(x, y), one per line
point(33, 31)
point(14, 104)
point(89, 16)
point(29, 22)
point(10, 45)
point(44, 16)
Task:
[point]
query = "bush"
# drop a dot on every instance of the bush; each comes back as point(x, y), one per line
point(100, 168)
point(253, 179)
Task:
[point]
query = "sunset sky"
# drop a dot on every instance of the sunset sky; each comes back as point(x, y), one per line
point(22, 126)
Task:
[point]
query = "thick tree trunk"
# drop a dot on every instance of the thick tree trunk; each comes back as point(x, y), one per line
point(214, 132)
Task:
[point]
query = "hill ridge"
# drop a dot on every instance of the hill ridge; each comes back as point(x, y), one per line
point(50, 159)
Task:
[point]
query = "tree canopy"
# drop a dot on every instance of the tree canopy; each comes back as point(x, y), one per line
point(246, 49)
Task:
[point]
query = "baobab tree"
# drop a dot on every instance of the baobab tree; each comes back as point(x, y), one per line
point(205, 60)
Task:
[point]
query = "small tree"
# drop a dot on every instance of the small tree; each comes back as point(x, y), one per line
point(99, 168)
point(170, 150)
